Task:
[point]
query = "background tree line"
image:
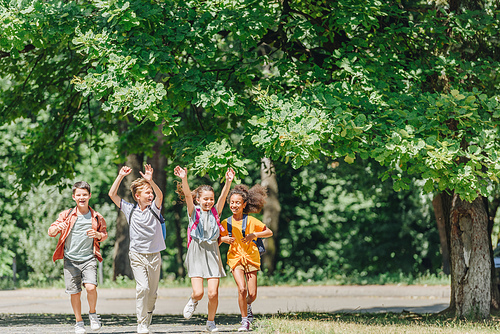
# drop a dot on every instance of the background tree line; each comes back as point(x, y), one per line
point(410, 85)
point(338, 221)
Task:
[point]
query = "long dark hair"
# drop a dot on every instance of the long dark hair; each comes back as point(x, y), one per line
point(195, 193)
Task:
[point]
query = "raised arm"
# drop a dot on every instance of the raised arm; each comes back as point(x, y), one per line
point(113, 192)
point(222, 198)
point(182, 173)
point(148, 176)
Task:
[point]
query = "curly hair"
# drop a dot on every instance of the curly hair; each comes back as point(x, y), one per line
point(195, 193)
point(255, 197)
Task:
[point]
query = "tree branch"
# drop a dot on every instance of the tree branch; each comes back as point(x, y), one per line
point(27, 48)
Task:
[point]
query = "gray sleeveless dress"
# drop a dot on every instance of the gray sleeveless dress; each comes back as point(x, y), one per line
point(203, 255)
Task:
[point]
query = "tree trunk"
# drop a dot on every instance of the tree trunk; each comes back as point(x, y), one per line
point(272, 210)
point(121, 262)
point(470, 258)
point(495, 293)
point(437, 203)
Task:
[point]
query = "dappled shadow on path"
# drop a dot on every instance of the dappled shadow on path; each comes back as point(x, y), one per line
point(12, 320)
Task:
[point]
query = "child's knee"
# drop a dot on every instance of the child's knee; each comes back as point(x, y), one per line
point(252, 296)
point(197, 294)
point(90, 287)
point(212, 295)
point(242, 290)
point(142, 290)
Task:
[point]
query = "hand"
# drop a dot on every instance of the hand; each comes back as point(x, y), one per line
point(228, 239)
point(248, 239)
point(148, 176)
point(93, 234)
point(61, 227)
point(180, 172)
point(125, 170)
point(230, 174)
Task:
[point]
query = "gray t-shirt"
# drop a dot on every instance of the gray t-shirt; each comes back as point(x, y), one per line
point(78, 246)
point(145, 232)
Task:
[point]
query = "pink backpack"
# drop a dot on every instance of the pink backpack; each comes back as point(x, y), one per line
point(197, 220)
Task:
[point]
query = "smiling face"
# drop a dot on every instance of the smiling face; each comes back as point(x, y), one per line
point(236, 204)
point(81, 197)
point(144, 195)
point(206, 200)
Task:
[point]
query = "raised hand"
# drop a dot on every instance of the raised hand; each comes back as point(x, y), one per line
point(125, 170)
point(180, 172)
point(230, 174)
point(148, 175)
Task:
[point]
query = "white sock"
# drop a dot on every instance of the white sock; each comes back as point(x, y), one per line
point(210, 322)
point(244, 319)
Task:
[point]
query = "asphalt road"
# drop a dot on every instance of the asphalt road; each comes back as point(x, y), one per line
point(49, 310)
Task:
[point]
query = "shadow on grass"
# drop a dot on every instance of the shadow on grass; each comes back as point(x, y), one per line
point(111, 320)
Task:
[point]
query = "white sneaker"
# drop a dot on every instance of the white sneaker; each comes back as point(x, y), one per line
point(211, 327)
point(80, 328)
point(249, 313)
point(245, 326)
point(95, 321)
point(142, 329)
point(189, 308)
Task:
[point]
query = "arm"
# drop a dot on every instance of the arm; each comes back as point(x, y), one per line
point(222, 199)
point(101, 234)
point(182, 173)
point(227, 239)
point(59, 224)
point(148, 175)
point(265, 233)
point(113, 192)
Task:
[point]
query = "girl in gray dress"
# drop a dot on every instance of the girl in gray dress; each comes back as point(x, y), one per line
point(203, 259)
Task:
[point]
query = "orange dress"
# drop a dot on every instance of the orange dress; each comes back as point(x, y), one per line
point(239, 252)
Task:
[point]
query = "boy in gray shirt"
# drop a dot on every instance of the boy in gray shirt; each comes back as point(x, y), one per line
point(146, 239)
point(82, 229)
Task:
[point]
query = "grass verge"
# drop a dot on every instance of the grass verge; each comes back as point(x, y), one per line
point(383, 323)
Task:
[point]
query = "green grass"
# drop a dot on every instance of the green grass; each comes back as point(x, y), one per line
point(370, 323)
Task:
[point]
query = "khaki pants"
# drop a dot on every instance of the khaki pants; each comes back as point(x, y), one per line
point(146, 269)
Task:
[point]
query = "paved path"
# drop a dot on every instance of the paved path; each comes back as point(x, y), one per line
point(48, 310)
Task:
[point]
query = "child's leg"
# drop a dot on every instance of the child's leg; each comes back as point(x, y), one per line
point(252, 286)
point(89, 280)
point(239, 278)
point(153, 271)
point(197, 285)
point(138, 264)
point(213, 297)
point(91, 297)
point(76, 304)
point(73, 282)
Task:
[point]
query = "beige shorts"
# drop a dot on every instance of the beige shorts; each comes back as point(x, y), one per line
point(246, 269)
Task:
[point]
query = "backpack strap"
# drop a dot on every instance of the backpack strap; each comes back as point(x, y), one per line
point(197, 221)
point(130, 215)
point(244, 226)
point(195, 224)
point(162, 222)
point(230, 226)
point(217, 219)
point(160, 219)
